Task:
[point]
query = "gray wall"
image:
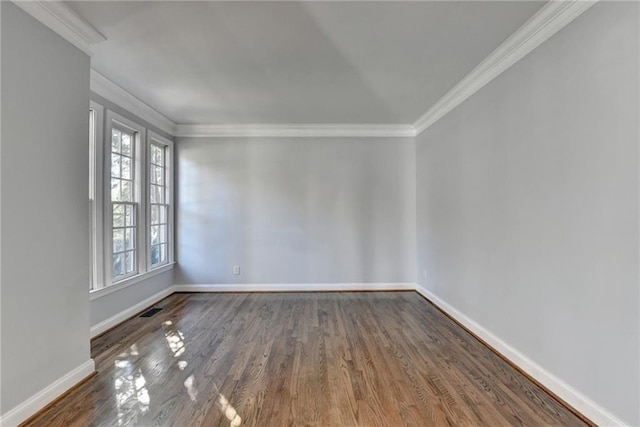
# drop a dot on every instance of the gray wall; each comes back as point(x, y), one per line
point(295, 210)
point(527, 198)
point(45, 209)
point(111, 304)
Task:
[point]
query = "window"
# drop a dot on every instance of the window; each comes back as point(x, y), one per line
point(123, 202)
point(159, 200)
point(131, 195)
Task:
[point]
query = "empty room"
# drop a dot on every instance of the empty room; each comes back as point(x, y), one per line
point(319, 213)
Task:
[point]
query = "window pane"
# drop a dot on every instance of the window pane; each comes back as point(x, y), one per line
point(152, 174)
point(118, 209)
point(155, 234)
point(115, 165)
point(157, 194)
point(163, 214)
point(130, 259)
point(127, 191)
point(163, 253)
point(115, 140)
point(159, 176)
point(118, 265)
point(130, 238)
point(153, 194)
point(155, 214)
point(118, 240)
point(126, 144)
point(163, 233)
point(118, 215)
point(129, 218)
point(126, 167)
point(156, 155)
point(115, 190)
point(155, 254)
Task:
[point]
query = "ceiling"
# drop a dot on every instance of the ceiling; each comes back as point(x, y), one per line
point(295, 62)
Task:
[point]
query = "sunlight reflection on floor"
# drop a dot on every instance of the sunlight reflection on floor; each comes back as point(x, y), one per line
point(229, 411)
point(130, 385)
point(176, 341)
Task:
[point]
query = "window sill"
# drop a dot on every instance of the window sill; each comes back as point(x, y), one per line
point(99, 293)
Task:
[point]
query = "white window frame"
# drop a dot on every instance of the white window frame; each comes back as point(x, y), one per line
point(96, 190)
point(117, 121)
point(103, 232)
point(154, 138)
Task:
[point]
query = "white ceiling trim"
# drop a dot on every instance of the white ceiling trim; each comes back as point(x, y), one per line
point(550, 19)
point(119, 96)
point(114, 93)
point(296, 130)
point(63, 20)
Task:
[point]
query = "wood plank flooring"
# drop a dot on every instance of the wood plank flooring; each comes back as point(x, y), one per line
point(300, 359)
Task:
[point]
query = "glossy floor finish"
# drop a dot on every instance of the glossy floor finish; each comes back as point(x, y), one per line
point(294, 359)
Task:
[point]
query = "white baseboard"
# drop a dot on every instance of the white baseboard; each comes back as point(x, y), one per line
point(295, 287)
point(581, 403)
point(125, 314)
point(47, 395)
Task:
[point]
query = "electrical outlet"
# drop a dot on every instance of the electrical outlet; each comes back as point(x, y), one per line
point(236, 269)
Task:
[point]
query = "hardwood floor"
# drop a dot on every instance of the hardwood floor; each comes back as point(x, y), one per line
point(294, 359)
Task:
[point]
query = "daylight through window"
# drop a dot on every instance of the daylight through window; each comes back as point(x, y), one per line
point(123, 203)
point(158, 202)
point(130, 192)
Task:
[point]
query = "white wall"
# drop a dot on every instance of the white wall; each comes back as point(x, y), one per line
point(527, 198)
point(296, 210)
point(45, 209)
point(111, 304)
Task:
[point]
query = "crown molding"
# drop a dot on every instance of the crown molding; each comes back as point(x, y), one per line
point(295, 130)
point(64, 21)
point(550, 19)
point(122, 98)
point(119, 96)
